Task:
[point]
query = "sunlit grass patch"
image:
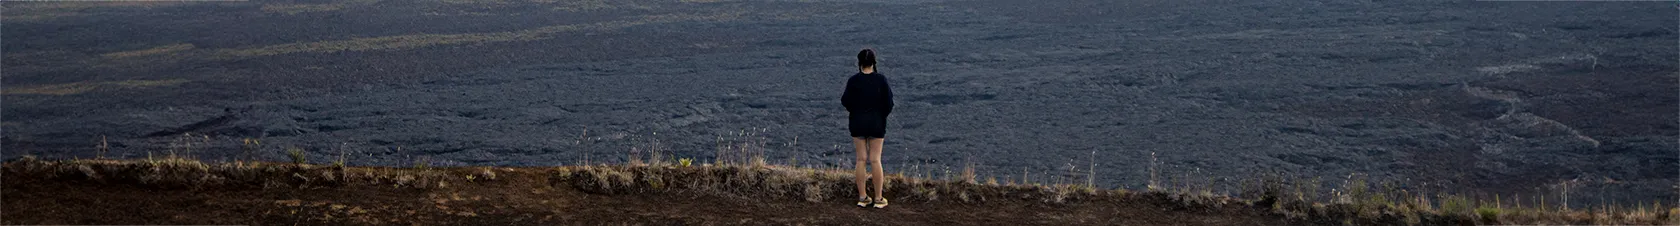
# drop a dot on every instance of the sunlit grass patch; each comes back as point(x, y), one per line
point(151, 51)
point(81, 87)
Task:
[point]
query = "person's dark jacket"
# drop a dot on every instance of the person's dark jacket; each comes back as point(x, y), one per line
point(869, 100)
point(868, 94)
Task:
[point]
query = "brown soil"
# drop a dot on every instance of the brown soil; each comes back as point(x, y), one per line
point(530, 196)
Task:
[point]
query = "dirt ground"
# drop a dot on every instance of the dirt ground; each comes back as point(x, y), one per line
point(526, 198)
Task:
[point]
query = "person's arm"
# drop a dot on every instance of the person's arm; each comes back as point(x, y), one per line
point(847, 98)
point(887, 98)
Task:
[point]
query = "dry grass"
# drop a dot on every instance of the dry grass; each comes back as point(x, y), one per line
point(813, 185)
point(1361, 202)
point(1379, 207)
point(188, 173)
point(744, 147)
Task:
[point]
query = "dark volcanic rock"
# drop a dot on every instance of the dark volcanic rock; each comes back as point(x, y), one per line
point(1492, 97)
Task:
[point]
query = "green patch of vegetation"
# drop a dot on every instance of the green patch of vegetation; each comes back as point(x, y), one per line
point(1489, 214)
point(296, 155)
point(1455, 204)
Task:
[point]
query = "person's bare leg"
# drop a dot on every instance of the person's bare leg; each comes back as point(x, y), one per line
point(880, 171)
point(861, 174)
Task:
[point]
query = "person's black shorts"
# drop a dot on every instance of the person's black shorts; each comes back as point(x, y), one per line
point(868, 126)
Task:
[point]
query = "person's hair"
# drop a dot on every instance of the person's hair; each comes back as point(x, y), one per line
point(866, 58)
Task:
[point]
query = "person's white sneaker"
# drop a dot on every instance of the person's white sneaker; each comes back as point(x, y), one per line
point(864, 202)
point(881, 203)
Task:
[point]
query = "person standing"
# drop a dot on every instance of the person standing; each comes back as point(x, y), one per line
point(868, 100)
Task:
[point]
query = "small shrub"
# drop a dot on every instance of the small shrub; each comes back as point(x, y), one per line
point(1455, 204)
point(685, 162)
point(1488, 214)
point(1378, 200)
point(1357, 191)
point(296, 155)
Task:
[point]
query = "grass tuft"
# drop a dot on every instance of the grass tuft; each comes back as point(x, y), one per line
point(296, 155)
point(1488, 214)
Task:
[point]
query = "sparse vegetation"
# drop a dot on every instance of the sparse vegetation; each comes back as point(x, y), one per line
point(297, 155)
point(342, 151)
point(968, 171)
point(1154, 172)
point(1455, 204)
point(1488, 214)
point(184, 145)
point(248, 148)
point(741, 171)
point(104, 147)
point(423, 162)
point(189, 173)
point(745, 146)
point(821, 185)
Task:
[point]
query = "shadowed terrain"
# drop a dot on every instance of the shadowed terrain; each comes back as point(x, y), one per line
point(1437, 96)
point(180, 191)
